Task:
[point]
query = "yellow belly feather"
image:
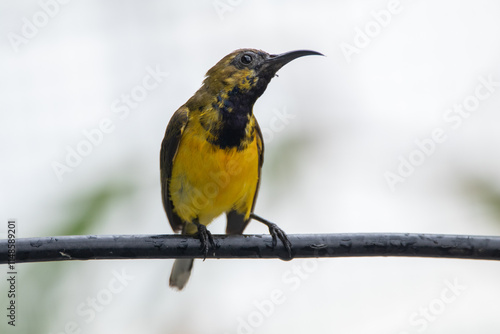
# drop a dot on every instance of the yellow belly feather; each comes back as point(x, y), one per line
point(208, 181)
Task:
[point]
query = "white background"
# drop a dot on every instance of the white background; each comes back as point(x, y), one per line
point(351, 119)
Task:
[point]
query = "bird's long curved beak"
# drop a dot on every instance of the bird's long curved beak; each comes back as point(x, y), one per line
point(275, 62)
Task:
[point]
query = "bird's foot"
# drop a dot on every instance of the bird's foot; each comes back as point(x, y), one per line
point(206, 239)
point(277, 233)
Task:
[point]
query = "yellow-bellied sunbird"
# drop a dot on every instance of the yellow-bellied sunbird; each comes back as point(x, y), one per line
point(213, 151)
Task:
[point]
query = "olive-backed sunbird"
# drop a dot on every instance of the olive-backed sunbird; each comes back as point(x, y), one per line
point(213, 151)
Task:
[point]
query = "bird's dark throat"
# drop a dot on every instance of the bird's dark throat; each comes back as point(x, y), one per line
point(235, 112)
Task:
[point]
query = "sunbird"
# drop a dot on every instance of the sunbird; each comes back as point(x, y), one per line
point(212, 154)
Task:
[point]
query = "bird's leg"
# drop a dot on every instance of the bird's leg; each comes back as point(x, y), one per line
point(276, 233)
point(206, 239)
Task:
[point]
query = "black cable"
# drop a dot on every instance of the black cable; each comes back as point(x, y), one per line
point(112, 247)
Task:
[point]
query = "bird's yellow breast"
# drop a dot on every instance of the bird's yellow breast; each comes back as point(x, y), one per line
point(207, 181)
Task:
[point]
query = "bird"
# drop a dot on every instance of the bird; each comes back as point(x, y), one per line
point(212, 153)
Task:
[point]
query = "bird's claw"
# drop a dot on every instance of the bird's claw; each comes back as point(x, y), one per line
point(276, 233)
point(206, 239)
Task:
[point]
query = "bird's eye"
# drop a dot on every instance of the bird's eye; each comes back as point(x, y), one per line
point(246, 59)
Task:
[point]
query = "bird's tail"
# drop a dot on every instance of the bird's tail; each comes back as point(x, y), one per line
point(181, 271)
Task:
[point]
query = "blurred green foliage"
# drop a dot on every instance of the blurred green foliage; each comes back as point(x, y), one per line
point(282, 162)
point(486, 195)
point(39, 284)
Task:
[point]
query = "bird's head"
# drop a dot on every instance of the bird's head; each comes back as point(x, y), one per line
point(247, 72)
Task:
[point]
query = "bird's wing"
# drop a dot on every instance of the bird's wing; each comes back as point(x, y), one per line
point(169, 147)
point(236, 221)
